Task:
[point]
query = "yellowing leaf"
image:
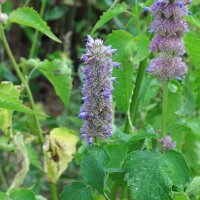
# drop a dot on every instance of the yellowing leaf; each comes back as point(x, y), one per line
point(58, 149)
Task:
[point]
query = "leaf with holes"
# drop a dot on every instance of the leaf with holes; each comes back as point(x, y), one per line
point(110, 14)
point(151, 175)
point(29, 17)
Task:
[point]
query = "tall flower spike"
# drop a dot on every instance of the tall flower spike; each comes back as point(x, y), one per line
point(96, 111)
point(169, 28)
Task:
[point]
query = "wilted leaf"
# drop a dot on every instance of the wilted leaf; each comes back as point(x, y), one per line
point(22, 154)
point(59, 149)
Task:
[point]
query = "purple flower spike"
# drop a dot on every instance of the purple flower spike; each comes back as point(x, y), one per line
point(169, 28)
point(96, 111)
point(167, 143)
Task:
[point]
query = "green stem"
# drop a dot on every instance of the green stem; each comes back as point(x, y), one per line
point(164, 108)
point(3, 178)
point(36, 35)
point(24, 82)
point(135, 97)
point(124, 193)
point(53, 189)
point(137, 16)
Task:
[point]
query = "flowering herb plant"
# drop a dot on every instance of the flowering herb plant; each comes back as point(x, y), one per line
point(125, 119)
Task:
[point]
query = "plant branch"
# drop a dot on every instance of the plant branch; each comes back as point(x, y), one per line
point(53, 189)
point(24, 82)
point(164, 108)
point(135, 96)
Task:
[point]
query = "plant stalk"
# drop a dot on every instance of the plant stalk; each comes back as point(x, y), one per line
point(135, 96)
point(24, 82)
point(164, 108)
point(36, 35)
point(53, 189)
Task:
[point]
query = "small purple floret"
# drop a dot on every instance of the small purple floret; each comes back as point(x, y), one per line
point(167, 143)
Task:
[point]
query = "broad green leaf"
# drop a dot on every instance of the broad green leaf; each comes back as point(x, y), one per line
point(92, 167)
point(4, 196)
point(124, 43)
point(151, 175)
point(22, 154)
point(191, 150)
point(192, 43)
point(110, 14)
point(29, 17)
point(141, 48)
point(9, 100)
point(59, 75)
point(77, 191)
point(59, 149)
point(22, 194)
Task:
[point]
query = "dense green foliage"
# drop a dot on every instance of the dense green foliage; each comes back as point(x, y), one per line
point(41, 154)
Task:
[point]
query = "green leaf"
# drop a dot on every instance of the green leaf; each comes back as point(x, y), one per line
point(9, 100)
point(34, 157)
point(59, 75)
point(194, 186)
point(110, 14)
point(4, 196)
point(181, 196)
point(192, 43)
point(124, 43)
point(192, 20)
point(92, 167)
point(77, 191)
point(22, 194)
point(29, 17)
point(141, 48)
point(58, 150)
point(151, 175)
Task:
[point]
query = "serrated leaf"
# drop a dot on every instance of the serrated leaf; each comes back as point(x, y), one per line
point(9, 100)
point(59, 149)
point(151, 175)
point(76, 191)
point(22, 194)
point(124, 43)
point(29, 17)
point(59, 75)
point(110, 14)
point(92, 167)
